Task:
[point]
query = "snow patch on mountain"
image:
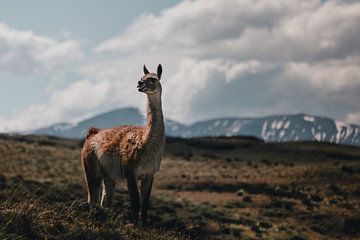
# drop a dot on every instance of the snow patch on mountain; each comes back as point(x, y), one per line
point(309, 118)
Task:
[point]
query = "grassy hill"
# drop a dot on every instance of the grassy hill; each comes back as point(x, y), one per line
point(207, 188)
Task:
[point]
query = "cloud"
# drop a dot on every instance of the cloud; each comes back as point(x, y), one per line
point(216, 87)
point(77, 99)
point(327, 76)
point(353, 117)
point(220, 58)
point(242, 57)
point(104, 86)
point(241, 29)
point(192, 23)
point(24, 52)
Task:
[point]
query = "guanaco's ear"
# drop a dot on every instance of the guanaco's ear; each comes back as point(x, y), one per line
point(145, 70)
point(159, 71)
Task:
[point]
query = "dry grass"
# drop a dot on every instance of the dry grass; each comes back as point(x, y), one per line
point(209, 188)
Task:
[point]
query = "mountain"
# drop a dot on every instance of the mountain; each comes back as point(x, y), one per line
point(280, 128)
point(122, 116)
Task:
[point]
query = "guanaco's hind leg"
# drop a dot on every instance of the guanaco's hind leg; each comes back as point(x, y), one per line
point(146, 185)
point(93, 177)
point(108, 191)
point(94, 185)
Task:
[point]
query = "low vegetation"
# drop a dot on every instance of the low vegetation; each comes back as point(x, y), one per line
point(208, 188)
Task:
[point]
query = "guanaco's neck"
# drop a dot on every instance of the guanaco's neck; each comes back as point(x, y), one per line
point(155, 122)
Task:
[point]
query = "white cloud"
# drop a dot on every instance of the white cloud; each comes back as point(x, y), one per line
point(353, 117)
point(23, 52)
point(208, 88)
point(192, 23)
point(105, 86)
point(302, 55)
point(220, 58)
point(242, 29)
point(329, 76)
point(77, 99)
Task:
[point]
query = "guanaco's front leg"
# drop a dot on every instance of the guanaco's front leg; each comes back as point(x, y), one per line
point(134, 195)
point(146, 185)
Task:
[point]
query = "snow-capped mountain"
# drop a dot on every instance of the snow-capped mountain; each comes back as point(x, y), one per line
point(281, 128)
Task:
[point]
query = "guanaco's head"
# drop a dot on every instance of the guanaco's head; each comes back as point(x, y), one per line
point(150, 82)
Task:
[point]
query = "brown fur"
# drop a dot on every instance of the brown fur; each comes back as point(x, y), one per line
point(91, 132)
point(124, 143)
point(133, 152)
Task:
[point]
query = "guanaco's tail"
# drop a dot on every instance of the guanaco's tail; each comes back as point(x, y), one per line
point(92, 131)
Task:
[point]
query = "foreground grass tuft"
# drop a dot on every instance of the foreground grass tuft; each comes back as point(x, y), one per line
point(32, 210)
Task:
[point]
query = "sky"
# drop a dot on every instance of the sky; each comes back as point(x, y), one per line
point(64, 61)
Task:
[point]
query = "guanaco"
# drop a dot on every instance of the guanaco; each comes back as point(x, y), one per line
point(131, 152)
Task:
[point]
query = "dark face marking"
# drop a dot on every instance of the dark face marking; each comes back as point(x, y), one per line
point(148, 84)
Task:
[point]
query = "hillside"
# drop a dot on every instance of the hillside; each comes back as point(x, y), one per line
point(280, 128)
point(207, 188)
point(121, 116)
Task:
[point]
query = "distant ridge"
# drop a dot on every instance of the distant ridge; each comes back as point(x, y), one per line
point(105, 120)
point(279, 128)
